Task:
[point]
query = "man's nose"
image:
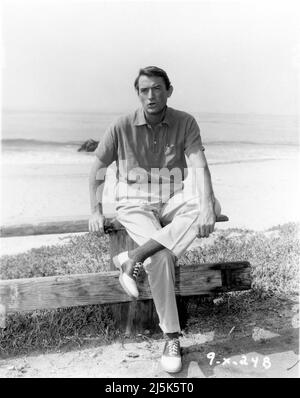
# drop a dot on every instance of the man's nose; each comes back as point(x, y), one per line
point(150, 93)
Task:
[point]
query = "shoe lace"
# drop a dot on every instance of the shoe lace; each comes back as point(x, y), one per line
point(174, 347)
point(137, 269)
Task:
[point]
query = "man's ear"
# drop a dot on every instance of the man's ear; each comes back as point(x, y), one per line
point(170, 91)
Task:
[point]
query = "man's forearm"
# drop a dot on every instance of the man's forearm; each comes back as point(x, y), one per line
point(96, 186)
point(204, 187)
point(95, 203)
point(202, 179)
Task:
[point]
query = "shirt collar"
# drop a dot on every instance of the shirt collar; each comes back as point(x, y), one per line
point(140, 119)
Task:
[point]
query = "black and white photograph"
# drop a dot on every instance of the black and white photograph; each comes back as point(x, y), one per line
point(150, 191)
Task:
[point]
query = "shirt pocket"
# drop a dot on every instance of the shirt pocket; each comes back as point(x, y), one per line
point(172, 154)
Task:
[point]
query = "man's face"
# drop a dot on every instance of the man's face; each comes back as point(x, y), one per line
point(153, 94)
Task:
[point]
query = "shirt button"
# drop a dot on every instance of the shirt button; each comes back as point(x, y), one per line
point(154, 142)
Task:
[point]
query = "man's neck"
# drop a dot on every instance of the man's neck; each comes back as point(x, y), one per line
point(155, 119)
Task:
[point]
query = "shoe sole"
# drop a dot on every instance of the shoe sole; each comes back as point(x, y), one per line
point(118, 265)
point(177, 370)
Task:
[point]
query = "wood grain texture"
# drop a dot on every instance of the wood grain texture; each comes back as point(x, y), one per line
point(63, 226)
point(129, 317)
point(104, 287)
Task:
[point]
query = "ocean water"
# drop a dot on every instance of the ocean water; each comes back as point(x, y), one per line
point(53, 138)
point(44, 176)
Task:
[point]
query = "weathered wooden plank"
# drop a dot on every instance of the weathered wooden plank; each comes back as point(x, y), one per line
point(63, 226)
point(103, 288)
point(45, 228)
point(133, 316)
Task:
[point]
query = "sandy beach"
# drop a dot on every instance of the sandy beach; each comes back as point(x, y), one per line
point(224, 78)
point(254, 195)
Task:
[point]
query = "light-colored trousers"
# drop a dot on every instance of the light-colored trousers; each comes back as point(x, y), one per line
point(173, 224)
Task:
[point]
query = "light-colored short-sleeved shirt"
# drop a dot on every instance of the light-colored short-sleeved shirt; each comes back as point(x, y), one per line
point(141, 151)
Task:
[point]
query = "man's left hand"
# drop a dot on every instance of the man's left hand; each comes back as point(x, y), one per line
point(206, 221)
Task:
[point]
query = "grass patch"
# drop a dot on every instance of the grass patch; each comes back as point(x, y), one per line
point(274, 257)
point(83, 254)
point(56, 329)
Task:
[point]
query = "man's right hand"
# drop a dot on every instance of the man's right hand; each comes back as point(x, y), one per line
point(96, 222)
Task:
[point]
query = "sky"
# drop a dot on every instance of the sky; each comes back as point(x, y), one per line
point(221, 56)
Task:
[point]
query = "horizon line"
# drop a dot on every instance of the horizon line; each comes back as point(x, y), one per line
point(93, 111)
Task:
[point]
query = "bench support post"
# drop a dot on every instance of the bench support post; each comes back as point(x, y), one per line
point(136, 316)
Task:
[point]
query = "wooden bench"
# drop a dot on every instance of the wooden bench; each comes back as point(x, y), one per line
point(131, 316)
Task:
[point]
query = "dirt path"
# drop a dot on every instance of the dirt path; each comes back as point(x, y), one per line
point(264, 356)
point(263, 343)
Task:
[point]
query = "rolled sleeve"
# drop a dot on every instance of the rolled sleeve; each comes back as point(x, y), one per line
point(106, 150)
point(192, 138)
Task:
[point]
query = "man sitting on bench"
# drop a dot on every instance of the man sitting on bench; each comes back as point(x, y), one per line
point(159, 213)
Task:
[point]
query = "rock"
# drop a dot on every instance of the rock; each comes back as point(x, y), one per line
point(132, 355)
point(218, 300)
point(22, 368)
point(88, 146)
point(93, 355)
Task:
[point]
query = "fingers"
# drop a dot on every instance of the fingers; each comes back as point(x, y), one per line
point(96, 225)
point(205, 230)
point(200, 232)
point(211, 228)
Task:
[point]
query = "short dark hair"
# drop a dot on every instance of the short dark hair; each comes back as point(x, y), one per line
point(152, 71)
